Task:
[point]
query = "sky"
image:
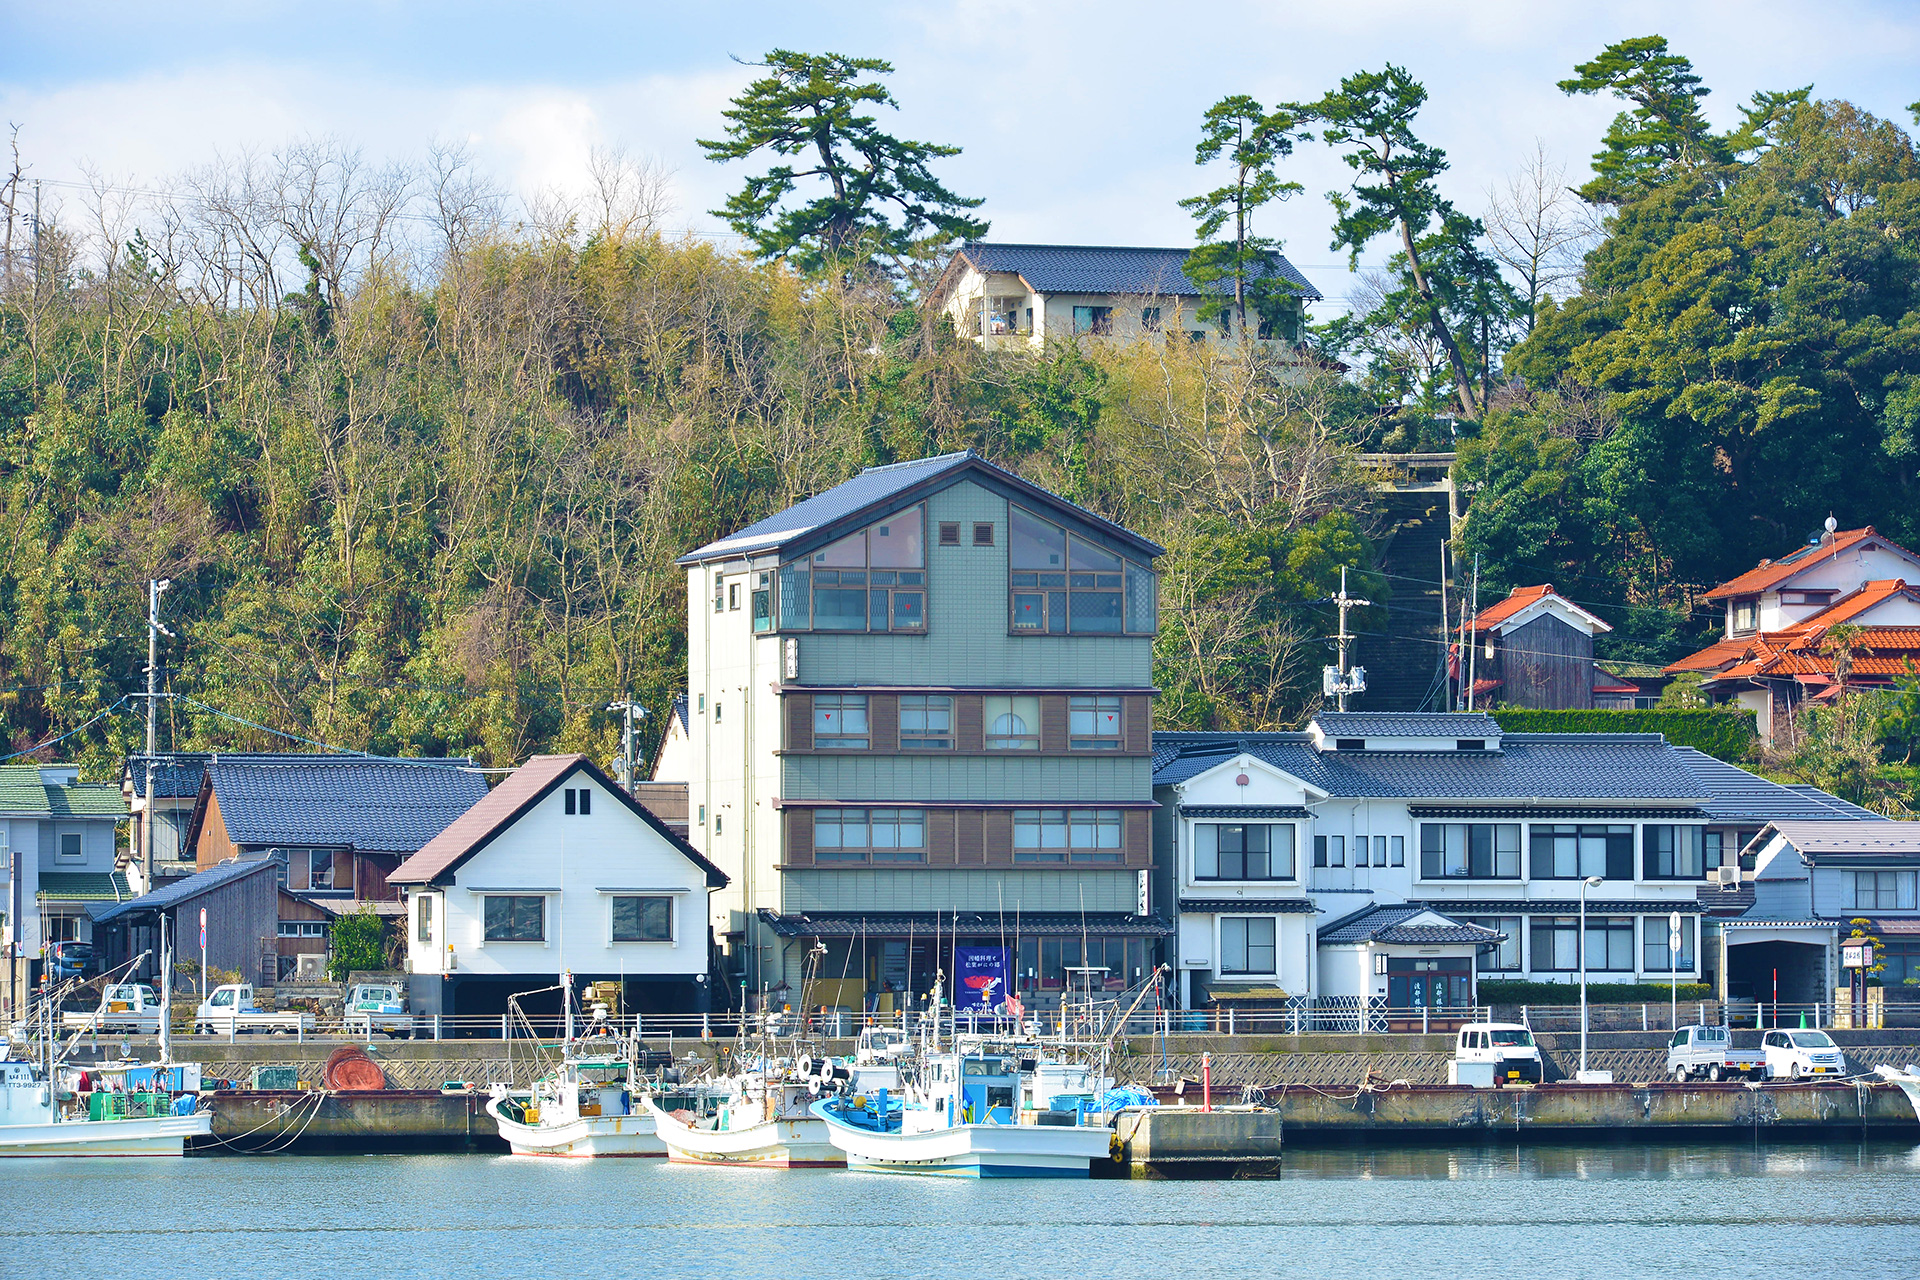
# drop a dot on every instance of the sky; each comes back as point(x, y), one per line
point(1078, 120)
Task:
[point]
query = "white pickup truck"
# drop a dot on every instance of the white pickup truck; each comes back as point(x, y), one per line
point(229, 1010)
point(1697, 1051)
point(1795, 1055)
point(377, 1006)
point(124, 1006)
point(1496, 1054)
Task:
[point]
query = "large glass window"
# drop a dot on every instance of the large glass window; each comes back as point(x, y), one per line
point(1094, 722)
point(859, 835)
point(1052, 835)
point(1576, 852)
point(874, 580)
point(1470, 850)
point(319, 868)
point(1884, 890)
point(1501, 957)
point(840, 722)
point(1243, 851)
point(1062, 584)
point(1672, 853)
point(639, 918)
point(926, 722)
point(1012, 723)
point(1249, 944)
point(514, 917)
point(1656, 956)
point(1556, 943)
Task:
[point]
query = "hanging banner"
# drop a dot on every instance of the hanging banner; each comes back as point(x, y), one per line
point(981, 985)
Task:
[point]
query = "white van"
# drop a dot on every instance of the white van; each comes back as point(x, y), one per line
point(1795, 1055)
point(1506, 1047)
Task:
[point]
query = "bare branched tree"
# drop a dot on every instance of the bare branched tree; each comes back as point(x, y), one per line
point(1540, 230)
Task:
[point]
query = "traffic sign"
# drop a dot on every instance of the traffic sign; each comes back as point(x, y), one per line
point(203, 928)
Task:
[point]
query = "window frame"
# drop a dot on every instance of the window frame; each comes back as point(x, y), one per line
point(867, 852)
point(487, 935)
point(1654, 956)
point(1613, 858)
point(613, 918)
point(1052, 590)
point(845, 740)
point(79, 838)
point(1247, 946)
point(1436, 862)
point(1214, 834)
point(1514, 927)
point(803, 580)
point(925, 738)
point(1652, 856)
point(990, 714)
point(1900, 884)
point(1097, 706)
point(1071, 825)
point(423, 918)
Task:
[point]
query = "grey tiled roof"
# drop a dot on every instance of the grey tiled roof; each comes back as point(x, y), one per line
point(1072, 268)
point(1734, 795)
point(1530, 767)
point(840, 505)
point(177, 774)
point(901, 924)
point(1386, 922)
point(1563, 907)
point(1279, 906)
point(190, 887)
point(1361, 724)
point(383, 806)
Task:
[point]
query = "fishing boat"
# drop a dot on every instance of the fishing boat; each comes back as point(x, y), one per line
point(760, 1123)
point(1909, 1081)
point(976, 1114)
point(583, 1109)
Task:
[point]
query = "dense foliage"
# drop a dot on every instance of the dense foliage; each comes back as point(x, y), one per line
point(1726, 733)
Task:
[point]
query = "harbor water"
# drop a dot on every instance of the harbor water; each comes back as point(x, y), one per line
point(1574, 1211)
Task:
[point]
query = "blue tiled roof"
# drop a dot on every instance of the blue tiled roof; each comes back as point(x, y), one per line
point(1734, 795)
point(190, 887)
point(383, 806)
point(177, 774)
point(1548, 767)
point(1073, 268)
point(1361, 724)
point(838, 508)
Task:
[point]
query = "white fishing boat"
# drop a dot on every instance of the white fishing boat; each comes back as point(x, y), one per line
point(975, 1115)
point(759, 1124)
point(1909, 1081)
point(584, 1109)
point(37, 1120)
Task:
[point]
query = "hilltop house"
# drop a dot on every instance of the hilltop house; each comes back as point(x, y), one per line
point(1533, 649)
point(1019, 295)
point(57, 853)
point(557, 870)
point(1778, 650)
point(921, 706)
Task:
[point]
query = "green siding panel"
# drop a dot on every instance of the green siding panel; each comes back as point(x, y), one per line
point(988, 889)
point(967, 779)
point(967, 641)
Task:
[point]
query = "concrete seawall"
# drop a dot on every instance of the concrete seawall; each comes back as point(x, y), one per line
point(1173, 1140)
point(269, 1122)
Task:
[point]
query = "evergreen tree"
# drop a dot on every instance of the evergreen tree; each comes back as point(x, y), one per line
point(1252, 139)
point(883, 200)
point(1663, 128)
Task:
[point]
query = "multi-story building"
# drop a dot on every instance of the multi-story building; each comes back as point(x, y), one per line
point(919, 722)
point(57, 859)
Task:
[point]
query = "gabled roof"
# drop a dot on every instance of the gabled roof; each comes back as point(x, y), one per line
point(1542, 769)
point(1865, 599)
point(177, 774)
point(1734, 795)
point(1106, 269)
point(1769, 574)
point(879, 491)
point(1839, 842)
point(1879, 654)
point(1522, 599)
point(372, 805)
point(23, 790)
point(184, 890)
point(1400, 923)
point(519, 792)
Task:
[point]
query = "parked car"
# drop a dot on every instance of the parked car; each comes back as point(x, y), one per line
point(69, 960)
point(377, 1006)
point(1507, 1046)
point(230, 1010)
point(1706, 1051)
point(124, 1006)
point(1793, 1055)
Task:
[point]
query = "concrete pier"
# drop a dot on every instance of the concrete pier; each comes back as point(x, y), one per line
point(1186, 1140)
point(268, 1122)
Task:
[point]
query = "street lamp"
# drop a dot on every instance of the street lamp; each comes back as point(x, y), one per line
point(1591, 882)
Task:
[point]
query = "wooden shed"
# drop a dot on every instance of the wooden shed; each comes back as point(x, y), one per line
point(1534, 649)
point(242, 905)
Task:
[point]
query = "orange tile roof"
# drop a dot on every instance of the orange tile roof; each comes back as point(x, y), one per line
point(1712, 658)
point(1517, 599)
point(1858, 602)
point(1770, 573)
point(1883, 652)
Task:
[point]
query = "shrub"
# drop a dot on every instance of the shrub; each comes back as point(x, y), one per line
point(359, 942)
point(1501, 991)
point(1721, 733)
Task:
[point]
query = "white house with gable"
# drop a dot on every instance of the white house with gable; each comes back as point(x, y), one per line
point(557, 870)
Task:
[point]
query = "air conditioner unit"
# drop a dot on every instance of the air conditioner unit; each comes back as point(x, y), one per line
point(1726, 877)
point(310, 968)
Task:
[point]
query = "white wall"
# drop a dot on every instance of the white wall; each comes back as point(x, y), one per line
point(1843, 573)
point(569, 859)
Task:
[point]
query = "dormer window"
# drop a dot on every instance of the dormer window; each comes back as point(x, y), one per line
point(1746, 615)
point(1470, 744)
point(1349, 744)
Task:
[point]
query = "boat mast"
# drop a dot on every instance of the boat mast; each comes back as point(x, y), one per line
point(166, 990)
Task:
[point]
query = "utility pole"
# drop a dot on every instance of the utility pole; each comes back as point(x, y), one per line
point(1337, 682)
point(1473, 638)
point(632, 710)
point(154, 631)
